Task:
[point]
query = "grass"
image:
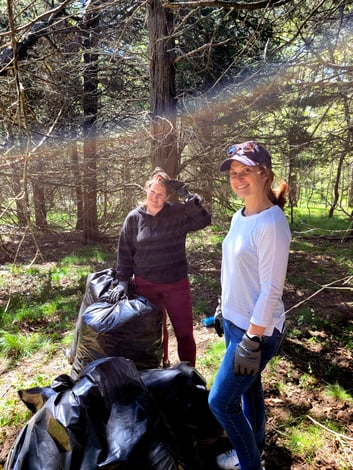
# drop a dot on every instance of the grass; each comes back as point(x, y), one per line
point(305, 439)
point(315, 221)
point(338, 393)
point(308, 440)
point(44, 299)
point(21, 345)
point(210, 361)
point(10, 415)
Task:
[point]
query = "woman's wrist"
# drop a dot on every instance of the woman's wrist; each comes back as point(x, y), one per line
point(255, 330)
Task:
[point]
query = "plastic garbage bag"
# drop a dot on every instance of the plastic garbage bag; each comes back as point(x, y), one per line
point(107, 420)
point(182, 397)
point(116, 417)
point(34, 398)
point(97, 286)
point(131, 328)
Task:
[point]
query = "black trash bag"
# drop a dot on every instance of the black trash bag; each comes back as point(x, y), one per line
point(182, 397)
point(34, 398)
point(131, 328)
point(98, 285)
point(108, 420)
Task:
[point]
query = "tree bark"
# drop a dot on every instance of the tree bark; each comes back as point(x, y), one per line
point(75, 163)
point(90, 110)
point(164, 152)
point(39, 199)
point(347, 147)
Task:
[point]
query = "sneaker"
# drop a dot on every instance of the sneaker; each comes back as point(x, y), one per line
point(229, 460)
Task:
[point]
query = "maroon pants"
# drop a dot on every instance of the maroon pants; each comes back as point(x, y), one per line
point(175, 299)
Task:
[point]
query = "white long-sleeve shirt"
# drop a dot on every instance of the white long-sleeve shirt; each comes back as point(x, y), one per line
point(254, 266)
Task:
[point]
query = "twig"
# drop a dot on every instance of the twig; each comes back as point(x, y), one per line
point(6, 390)
point(337, 434)
point(325, 286)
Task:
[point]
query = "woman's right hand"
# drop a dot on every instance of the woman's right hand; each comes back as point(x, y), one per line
point(118, 292)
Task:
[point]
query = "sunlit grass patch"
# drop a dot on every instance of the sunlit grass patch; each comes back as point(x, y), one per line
point(337, 392)
point(50, 316)
point(12, 413)
point(304, 440)
point(307, 381)
point(68, 338)
point(209, 363)
point(315, 221)
point(12, 410)
point(22, 344)
point(278, 367)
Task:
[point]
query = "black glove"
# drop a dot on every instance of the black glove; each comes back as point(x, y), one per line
point(218, 319)
point(180, 188)
point(194, 198)
point(119, 291)
point(247, 356)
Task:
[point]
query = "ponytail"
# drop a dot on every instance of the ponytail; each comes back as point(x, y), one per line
point(278, 196)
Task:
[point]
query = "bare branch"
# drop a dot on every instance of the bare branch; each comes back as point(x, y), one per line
point(325, 286)
point(227, 4)
point(335, 433)
point(39, 27)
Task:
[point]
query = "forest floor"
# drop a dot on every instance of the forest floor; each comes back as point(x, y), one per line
point(316, 354)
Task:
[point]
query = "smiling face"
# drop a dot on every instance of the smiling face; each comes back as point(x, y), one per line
point(247, 181)
point(156, 197)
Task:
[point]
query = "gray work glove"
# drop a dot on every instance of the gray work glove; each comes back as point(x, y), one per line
point(218, 319)
point(119, 291)
point(247, 356)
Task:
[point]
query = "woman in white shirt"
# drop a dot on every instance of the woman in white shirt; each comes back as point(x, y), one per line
point(254, 265)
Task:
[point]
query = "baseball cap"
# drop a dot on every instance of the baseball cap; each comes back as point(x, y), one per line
point(249, 153)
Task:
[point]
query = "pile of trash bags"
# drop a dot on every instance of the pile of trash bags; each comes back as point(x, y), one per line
point(116, 417)
point(118, 409)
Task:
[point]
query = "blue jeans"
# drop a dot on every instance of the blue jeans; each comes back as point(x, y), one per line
point(237, 401)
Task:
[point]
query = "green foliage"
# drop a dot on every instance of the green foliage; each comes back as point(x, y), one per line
point(20, 344)
point(305, 439)
point(11, 415)
point(210, 361)
point(307, 317)
point(50, 306)
point(307, 381)
point(88, 255)
point(337, 392)
point(312, 220)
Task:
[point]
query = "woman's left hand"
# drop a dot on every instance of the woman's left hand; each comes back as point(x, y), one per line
point(247, 356)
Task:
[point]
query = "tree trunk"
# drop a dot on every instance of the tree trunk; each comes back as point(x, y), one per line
point(336, 186)
point(39, 199)
point(76, 171)
point(20, 196)
point(90, 109)
point(164, 152)
point(350, 186)
point(347, 147)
